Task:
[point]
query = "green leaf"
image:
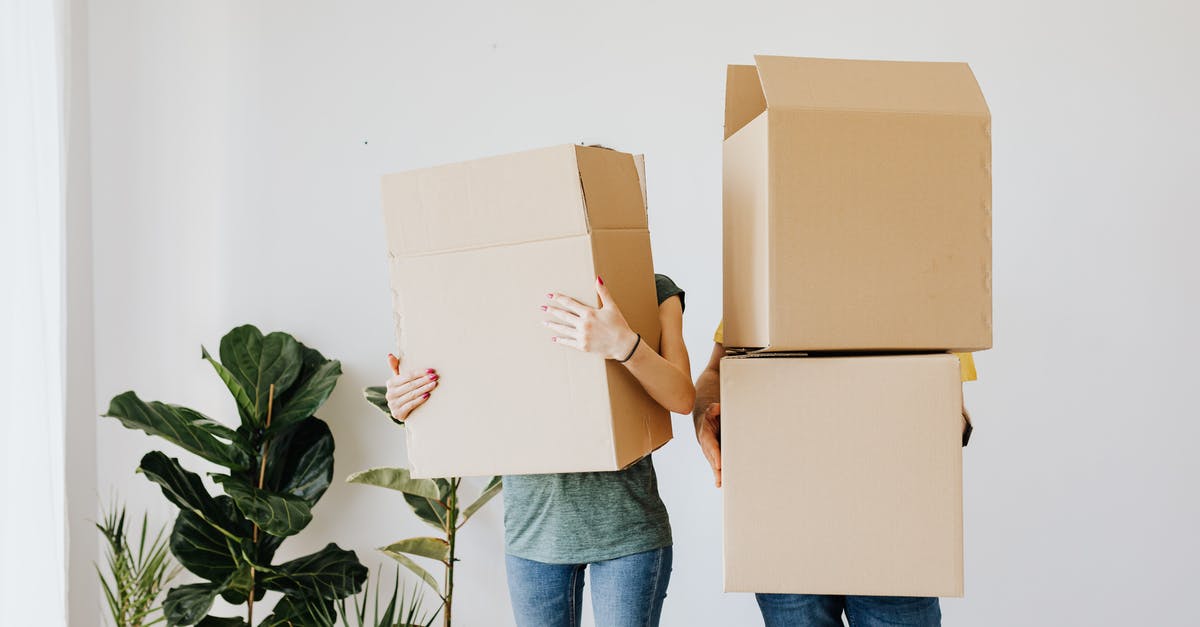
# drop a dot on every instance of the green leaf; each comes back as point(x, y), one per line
point(187, 605)
point(397, 479)
point(377, 396)
point(422, 495)
point(220, 621)
point(433, 548)
point(202, 549)
point(331, 573)
point(416, 569)
point(257, 362)
point(300, 461)
point(185, 427)
point(244, 402)
point(492, 488)
point(312, 388)
point(274, 513)
point(185, 490)
point(294, 611)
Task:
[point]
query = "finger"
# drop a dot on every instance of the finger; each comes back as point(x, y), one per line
point(603, 293)
point(412, 394)
point(562, 314)
point(394, 363)
point(568, 341)
point(400, 389)
point(568, 303)
point(560, 328)
point(404, 410)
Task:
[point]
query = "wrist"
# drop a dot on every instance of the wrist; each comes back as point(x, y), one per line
point(629, 343)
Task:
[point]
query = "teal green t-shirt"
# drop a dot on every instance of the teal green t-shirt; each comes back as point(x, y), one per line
point(585, 517)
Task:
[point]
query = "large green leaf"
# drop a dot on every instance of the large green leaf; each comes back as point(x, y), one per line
point(424, 496)
point(397, 479)
point(188, 605)
point(292, 611)
point(433, 548)
point(492, 488)
point(300, 461)
point(244, 402)
point(416, 569)
point(331, 573)
point(257, 361)
point(202, 549)
point(312, 388)
point(188, 428)
point(186, 490)
point(274, 513)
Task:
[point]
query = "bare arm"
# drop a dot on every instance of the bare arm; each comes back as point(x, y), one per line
point(706, 414)
point(666, 375)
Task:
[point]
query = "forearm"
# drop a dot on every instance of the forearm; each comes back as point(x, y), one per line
point(665, 382)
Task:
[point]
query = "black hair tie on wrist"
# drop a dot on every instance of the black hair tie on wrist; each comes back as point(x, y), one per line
point(632, 350)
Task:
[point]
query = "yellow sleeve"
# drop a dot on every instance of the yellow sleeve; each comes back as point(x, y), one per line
point(966, 364)
point(719, 336)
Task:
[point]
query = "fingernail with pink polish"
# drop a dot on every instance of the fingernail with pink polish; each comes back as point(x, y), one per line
point(425, 395)
point(433, 377)
point(545, 308)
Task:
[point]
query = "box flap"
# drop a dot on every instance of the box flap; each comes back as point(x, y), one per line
point(916, 87)
point(521, 197)
point(611, 189)
point(743, 97)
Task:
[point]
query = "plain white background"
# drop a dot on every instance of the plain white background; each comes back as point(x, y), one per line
point(236, 154)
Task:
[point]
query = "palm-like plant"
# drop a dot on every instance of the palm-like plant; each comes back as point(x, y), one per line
point(402, 610)
point(137, 574)
point(279, 462)
point(434, 501)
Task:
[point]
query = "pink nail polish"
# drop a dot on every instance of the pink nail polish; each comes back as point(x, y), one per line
point(425, 395)
point(545, 308)
point(548, 295)
point(599, 280)
point(429, 370)
point(433, 377)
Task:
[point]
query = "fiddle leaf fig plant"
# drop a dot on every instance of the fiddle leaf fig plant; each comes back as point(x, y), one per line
point(435, 502)
point(278, 462)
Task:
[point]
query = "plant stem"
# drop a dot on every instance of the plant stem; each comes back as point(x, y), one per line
point(451, 534)
point(262, 474)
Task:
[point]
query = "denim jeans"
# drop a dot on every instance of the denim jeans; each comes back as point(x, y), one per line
point(824, 610)
point(626, 591)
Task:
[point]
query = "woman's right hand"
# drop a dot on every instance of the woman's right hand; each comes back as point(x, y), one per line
point(408, 391)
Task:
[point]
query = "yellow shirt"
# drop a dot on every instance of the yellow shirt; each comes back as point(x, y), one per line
point(966, 361)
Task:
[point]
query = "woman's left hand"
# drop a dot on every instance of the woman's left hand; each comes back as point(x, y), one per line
point(602, 330)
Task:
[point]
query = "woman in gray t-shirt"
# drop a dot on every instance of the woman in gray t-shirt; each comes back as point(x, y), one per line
point(557, 525)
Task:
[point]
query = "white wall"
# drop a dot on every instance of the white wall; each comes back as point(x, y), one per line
point(237, 148)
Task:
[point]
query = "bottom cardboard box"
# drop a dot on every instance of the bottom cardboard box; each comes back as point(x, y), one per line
point(842, 475)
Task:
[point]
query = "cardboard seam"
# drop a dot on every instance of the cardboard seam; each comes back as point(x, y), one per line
point(448, 251)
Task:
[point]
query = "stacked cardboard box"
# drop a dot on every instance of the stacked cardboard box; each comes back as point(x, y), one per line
point(474, 247)
point(857, 214)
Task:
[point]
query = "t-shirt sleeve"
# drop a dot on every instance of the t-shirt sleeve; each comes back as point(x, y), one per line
point(966, 366)
point(666, 288)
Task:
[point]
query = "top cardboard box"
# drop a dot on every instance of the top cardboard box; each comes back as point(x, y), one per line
point(857, 206)
point(474, 248)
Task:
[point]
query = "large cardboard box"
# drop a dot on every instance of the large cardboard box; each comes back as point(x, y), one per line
point(842, 475)
point(474, 248)
point(857, 206)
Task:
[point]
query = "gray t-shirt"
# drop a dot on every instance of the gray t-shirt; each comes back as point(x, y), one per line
point(585, 517)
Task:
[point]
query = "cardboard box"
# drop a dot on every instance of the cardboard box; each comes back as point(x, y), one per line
point(842, 475)
point(857, 206)
point(474, 247)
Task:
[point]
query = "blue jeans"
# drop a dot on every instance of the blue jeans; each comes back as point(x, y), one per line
point(626, 591)
point(825, 610)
